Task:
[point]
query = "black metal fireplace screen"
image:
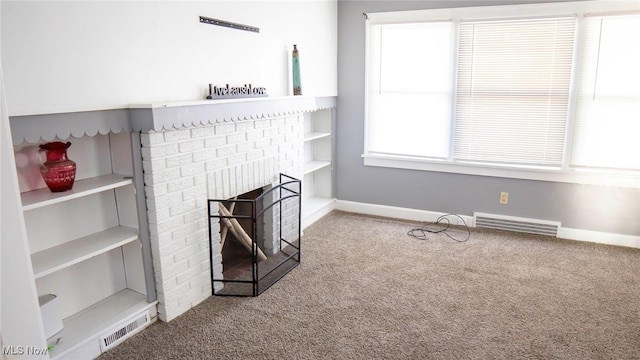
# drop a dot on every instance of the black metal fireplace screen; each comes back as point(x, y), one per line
point(268, 229)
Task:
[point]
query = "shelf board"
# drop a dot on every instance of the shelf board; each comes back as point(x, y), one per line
point(311, 166)
point(44, 197)
point(92, 322)
point(316, 135)
point(59, 257)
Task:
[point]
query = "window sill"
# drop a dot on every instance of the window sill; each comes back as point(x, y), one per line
point(571, 175)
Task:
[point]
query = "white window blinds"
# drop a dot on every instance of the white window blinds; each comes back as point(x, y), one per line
point(607, 126)
point(512, 90)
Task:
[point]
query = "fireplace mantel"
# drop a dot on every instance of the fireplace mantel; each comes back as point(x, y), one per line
point(160, 116)
point(171, 116)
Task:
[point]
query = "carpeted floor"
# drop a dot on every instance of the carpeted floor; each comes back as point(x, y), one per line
point(366, 290)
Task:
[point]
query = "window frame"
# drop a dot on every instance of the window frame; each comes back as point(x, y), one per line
point(565, 172)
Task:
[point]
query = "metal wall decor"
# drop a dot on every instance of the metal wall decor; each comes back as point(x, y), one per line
point(229, 24)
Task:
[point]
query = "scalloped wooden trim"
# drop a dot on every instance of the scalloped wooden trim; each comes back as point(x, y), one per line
point(211, 113)
point(48, 127)
point(37, 128)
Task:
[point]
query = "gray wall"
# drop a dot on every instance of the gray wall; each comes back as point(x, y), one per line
point(599, 208)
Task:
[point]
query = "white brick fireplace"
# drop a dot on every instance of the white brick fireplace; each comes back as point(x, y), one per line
point(209, 150)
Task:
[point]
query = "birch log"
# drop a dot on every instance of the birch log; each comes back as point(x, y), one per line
point(236, 229)
point(225, 230)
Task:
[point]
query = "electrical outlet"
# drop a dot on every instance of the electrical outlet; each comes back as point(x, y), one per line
point(504, 198)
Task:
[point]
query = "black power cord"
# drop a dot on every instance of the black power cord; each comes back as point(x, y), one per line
point(422, 232)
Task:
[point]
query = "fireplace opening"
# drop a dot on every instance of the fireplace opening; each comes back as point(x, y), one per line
point(259, 236)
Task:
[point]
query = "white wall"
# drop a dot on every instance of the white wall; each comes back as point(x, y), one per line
point(21, 321)
point(77, 56)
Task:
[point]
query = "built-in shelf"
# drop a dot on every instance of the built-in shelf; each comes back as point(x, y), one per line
point(70, 253)
point(316, 135)
point(314, 165)
point(90, 323)
point(44, 197)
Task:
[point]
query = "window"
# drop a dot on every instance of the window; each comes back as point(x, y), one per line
point(513, 90)
point(552, 96)
point(607, 121)
point(411, 101)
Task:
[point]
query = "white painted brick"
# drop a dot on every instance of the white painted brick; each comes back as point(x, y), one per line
point(193, 193)
point(152, 138)
point(160, 215)
point(193, 216)
point(269, 132)
point(177, 135)
point(236, 138)
point(169, 224)
point(192, 170)
point(255, 134)
point(200, 179)
point(180, 160)
point(236, 159)
point(224, 129)
point(199, 237)
point(284, 130)
point(152, 191)
point(204, 155)
point(171, 271)
point(186, 251)
point(156, 164)
point(195, 260)
point(292, 120)
point(259, 124)
point(164, 201)
point(262, 143)
point(255, 154)
point(271, 151)
point(180, 184)
point(206, 131)
point(158, 177)
point(226, 150)
point(244, 147)
point(185, 276)
point(215, 164)
point(244, 125)
point(189, 146)
point(165, 150)
point(277, 122)
point(213, 142)
point(276, 140)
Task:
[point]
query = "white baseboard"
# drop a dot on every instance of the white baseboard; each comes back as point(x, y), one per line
point(398, 212)
point(599, 237)
point(431, 216)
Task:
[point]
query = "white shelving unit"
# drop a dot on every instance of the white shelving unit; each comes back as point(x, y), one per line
point(317, 199)
point(84, 243)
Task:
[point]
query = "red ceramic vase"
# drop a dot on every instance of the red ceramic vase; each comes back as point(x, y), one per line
point(58, 172)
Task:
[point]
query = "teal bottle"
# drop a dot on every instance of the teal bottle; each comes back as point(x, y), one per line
point(297, 84)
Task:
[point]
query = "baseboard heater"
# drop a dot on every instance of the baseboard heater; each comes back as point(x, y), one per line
point(512, 223)
point(123, 331)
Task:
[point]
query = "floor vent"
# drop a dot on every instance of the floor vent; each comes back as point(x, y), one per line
point(122, 332)
point(510, 223)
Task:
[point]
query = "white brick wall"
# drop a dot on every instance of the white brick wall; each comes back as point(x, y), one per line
point(182, 169)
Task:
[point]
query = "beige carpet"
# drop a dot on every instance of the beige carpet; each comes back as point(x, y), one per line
point(366, 290)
